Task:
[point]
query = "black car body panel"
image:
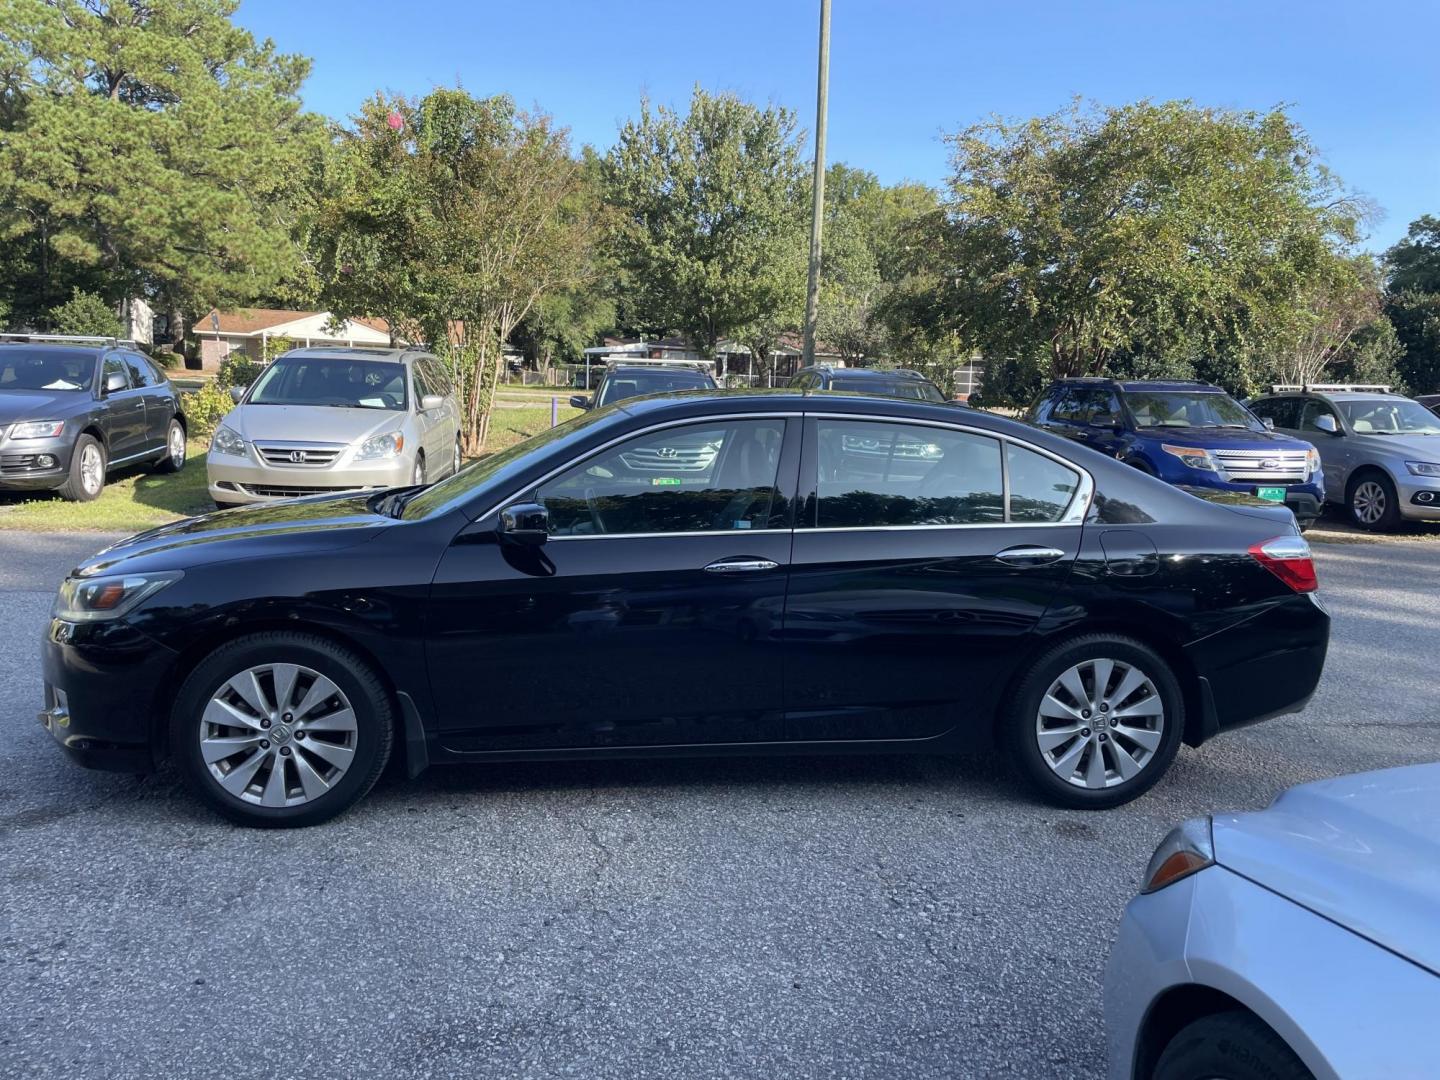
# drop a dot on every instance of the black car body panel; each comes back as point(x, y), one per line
point(887, 638)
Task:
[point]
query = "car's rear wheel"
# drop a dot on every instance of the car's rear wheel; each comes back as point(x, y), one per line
point(1373, 502)
point(459, 462)
point(174, 458)
point(281, 729)
point(1095, 721)
point(1229, 1046)
point(87, 471)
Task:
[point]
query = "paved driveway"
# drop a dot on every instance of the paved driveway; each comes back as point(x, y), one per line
point(886, 917)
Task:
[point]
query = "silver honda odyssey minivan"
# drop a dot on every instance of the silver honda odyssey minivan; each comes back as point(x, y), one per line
point(336, 419)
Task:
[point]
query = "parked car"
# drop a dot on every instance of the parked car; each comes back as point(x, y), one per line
point(1430, 401)
point(621, 381)
point(1380, 451)
point(886, 382)
point(1299, 941)
point(74, 408)
point(722, 573)
point(324, 420)
point(1185, 432)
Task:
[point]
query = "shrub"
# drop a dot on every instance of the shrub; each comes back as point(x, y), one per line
point(238, 369)
point(206, 407)
point(87, 314)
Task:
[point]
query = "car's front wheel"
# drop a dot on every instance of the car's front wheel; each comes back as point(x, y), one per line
point(1095, 721)
point(281, 729)
point(87, 471)
point(1373, 502)
point(1229, 1046)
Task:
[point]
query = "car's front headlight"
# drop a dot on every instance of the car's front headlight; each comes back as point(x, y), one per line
point(227, 441)
point(38, 429)
point(381, 446)
point(1193, 456)
point(1312, 462)
point(1187, 849)
point(99, 598)
point(1423, 468)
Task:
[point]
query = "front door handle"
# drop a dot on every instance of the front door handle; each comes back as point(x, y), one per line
point(1030, 556)
point(740, 565)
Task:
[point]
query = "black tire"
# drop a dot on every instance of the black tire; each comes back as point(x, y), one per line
point(168, 462)
point(367, 696)
point(420, 475)
point(459, 462)
point(80, 485)
point(1365, 483)
point(1018, 723)
point(1229, 1046)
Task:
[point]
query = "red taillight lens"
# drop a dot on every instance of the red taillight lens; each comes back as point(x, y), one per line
point(1288, 558)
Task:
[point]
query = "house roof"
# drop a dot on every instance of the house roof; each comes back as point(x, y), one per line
point(250, 321)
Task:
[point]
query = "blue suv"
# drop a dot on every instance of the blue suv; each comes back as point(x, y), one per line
point(1188, 433)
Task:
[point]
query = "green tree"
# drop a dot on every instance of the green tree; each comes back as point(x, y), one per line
point(1163, 230)
point(451, 217)
point(150, 147)
point(1412, 303)
point(87, 314)
point(1414, 263)
point(710, 210)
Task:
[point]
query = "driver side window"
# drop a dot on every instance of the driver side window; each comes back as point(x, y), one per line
point(697, 478)
point(1314, 409)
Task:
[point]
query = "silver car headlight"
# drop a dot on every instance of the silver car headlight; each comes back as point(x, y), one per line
point(381, 446)
point(227, 441)
point(100, 598)
point(38, 429)
point(1423, 468)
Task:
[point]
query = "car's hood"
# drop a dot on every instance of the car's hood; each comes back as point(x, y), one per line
point(273, 529)
point(311, 423)
point(1362, 850)
point(39, 404)
point(1224, 438)
point(1414, 447)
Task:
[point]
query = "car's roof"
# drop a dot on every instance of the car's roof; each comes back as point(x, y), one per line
point(785, 399)
point(81, 352)
point(1191, 386)
point(667, 369)
point(871, 373)
point(345, 352)
point(1336, 395)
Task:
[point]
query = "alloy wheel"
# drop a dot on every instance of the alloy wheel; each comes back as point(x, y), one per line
point(278, 735)
point(418, 476)
point(459, 460)
point(1100, 723)
point(92, 469)
point(1369, 502)
point(177, 445)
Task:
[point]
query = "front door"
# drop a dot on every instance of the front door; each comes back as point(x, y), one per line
point(914, 581)
point(123, 413)
point(651, 616)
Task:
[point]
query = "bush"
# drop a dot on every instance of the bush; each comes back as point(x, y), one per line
point(237, 369)
point(206, 407)
point(87, 314)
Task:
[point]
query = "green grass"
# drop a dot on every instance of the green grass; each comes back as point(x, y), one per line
point(135, 498)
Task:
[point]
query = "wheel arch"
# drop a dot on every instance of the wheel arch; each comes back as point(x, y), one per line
point(1177, 1007)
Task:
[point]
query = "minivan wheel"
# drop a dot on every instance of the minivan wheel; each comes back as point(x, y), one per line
point(1095, 722)
point(1231, 1045)
point(281, 729)
point(418, 476)
point(1373, 503)
point(459, 459)
point(87, 471)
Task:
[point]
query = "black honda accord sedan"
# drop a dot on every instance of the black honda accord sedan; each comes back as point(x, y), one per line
point(701, 573)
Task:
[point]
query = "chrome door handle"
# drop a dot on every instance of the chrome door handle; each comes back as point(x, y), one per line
point(1030, 556)
point(740, 566)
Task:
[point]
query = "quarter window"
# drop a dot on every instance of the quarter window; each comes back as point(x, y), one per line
point(878, 474)
point(696, 478)
point(1040, 487)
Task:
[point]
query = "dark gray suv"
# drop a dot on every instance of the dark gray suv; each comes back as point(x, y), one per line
point(72, 409)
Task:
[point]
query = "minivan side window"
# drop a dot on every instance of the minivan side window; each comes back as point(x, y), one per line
point(703, 477)
point(876, 474)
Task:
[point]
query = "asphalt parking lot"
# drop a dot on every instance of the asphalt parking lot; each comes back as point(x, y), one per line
point(849, 917)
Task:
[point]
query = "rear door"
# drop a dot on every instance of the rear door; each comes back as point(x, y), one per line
point(429, 422)
point(924, 556)
point(155, 392)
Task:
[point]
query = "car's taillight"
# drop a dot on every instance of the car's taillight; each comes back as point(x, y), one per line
point(1288, 558)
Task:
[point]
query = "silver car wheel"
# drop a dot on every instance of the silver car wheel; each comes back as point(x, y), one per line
point(278, 735)
point(418, 476)
point(1368, 502)
point(459, 460)
point(177, 445)
point(92, 469)
point(1100, 723)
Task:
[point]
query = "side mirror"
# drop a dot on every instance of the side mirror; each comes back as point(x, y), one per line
point(579, 401)
point(525, 524)
point(1327, 424)
point(1270, 423)
point(236, 393)
point(115, 381)
point(431, 402)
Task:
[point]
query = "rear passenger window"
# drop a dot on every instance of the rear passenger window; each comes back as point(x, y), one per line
point(140, 373)
point(1282, 412)
point(1040, 487)
point(878, 474)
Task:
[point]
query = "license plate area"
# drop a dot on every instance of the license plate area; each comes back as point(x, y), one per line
point(1270, 494)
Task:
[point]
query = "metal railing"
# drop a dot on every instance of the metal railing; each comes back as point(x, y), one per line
point(1329, 388)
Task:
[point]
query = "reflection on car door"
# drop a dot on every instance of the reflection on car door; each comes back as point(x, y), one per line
point(655, 604)
point(429, 423)
point(912, 583)
point(123, 414)
point(1336, 450)
point(153, 391)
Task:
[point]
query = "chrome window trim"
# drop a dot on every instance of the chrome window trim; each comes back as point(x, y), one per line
point(1075, 512)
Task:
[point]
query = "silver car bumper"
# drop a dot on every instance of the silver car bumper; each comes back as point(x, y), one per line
point(1345, 1006)
point(236, 479)
point(1408, 486)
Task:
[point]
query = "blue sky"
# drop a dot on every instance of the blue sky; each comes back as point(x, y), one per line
point(1362, 78)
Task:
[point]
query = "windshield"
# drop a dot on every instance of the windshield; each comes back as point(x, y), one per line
point(332, 381)
point(914, 389)
point(628, 384)
point(1389, 416)
point(1177, 408)
point(21, 370)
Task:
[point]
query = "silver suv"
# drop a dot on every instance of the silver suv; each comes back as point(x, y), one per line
point(1380, 451)
point(336, 419)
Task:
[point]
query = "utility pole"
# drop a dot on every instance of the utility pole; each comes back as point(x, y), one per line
point(817, 213)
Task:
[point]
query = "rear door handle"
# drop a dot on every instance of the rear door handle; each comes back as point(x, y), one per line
point(740, 565)
point(1030, 556)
